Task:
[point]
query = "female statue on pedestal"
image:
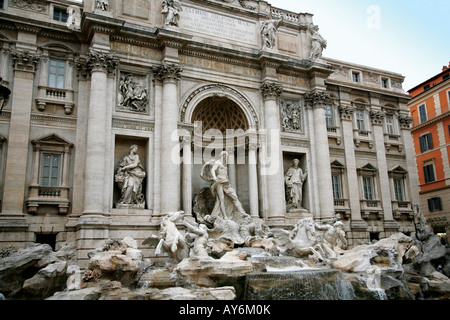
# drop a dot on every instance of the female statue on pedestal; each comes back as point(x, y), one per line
point(129, 177)
point(294, 178)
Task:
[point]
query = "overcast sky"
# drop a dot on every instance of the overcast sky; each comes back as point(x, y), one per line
point(409, 37)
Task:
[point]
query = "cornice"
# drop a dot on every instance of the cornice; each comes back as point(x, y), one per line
point(352, 89)
point(430, 122)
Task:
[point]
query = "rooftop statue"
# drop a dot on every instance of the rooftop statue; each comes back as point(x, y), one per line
point(102, 5)
point(269, 33)
point(171, 10)
point(318, 43)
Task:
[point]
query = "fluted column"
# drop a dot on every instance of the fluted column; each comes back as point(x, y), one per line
point(253, 178)
point(316, 99)
point(187, 175)
point(99, 65)
point(273, 170)
point(169, 74)
point(25, 66)
point(231, 162)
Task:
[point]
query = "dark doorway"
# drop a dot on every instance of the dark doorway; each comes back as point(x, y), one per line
point(48, 238)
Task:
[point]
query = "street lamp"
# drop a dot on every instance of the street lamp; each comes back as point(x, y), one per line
point(4, 95)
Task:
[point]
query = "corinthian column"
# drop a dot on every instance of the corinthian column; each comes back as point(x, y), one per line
point(169, 74)
point(99, 65)
point(316, 99)
point(272, 159)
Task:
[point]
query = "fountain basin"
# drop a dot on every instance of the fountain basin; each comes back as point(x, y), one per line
point(322, 284)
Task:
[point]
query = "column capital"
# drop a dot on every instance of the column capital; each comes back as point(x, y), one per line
point(168, 72)
point(96, 61)
point(405, 122)
point(101, 61)
point(376, 117)
point(25, 61)
point(271, 90)
point(316, 98)
point(346, 112)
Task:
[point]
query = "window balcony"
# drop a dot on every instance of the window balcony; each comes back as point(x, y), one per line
point(63, 97)
point(400, 208)
point(48, 196)
point(372, 206)
point(341, 203)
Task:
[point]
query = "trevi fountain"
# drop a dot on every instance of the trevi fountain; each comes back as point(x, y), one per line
point(221, 253)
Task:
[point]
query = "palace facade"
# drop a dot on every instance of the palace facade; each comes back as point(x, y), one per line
point(181, 81)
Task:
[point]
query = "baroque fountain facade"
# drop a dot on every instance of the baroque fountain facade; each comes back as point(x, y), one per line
point(207, 146)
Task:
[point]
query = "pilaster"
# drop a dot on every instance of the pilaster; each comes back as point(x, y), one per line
point(25, 65)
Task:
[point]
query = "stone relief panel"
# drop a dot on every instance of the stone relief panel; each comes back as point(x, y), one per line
point(132, 93)
point(30, 5)
point(292, 116)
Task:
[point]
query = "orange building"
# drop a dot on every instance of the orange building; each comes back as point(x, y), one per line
point(429, 108)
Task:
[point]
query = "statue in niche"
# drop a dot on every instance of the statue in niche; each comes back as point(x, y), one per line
point(269, 33)
point(171, 9)
point(318, 43)
point(216, 172)
point(294, 179)
point(132, 95)
point(102, 5)
point(291, 116)
point(129, 177)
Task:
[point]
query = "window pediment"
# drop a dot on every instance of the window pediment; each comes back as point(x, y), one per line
point(52, 140)
point(367, 168)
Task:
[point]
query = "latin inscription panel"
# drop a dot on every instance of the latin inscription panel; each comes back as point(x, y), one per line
point(218, 25)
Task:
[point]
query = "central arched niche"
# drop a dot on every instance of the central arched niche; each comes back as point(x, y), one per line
point(222, 114)
point(219, 113)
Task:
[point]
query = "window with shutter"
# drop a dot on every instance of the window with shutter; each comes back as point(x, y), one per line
point(428, 172)
point(435, 204)
point(426, 142)
point(423, 113)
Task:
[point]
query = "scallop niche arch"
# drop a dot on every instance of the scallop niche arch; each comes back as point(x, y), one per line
point(223, 91)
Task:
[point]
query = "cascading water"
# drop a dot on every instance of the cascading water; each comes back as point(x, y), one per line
point(326, 284)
